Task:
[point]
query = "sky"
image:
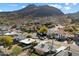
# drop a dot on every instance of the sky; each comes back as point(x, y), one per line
point(64, 7)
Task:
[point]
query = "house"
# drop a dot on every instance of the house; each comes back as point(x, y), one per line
point(63, 35)
point(26, 43)
point(3, 30)
point(44, 48)
point(18, 38)
point(11, 33)
point(55, 30)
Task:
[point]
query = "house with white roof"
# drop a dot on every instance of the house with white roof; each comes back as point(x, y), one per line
point(11, 33)
point(27, 41)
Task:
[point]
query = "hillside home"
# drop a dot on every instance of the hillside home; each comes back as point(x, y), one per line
point(44, 48)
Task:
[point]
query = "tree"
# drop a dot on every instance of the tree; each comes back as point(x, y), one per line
point(69, 29)
point(43, 29)
point(16, 50)
point(8, 40)
point(29, 36)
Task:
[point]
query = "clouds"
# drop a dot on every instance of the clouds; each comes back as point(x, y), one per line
point(17, 5)
point(67, 8)
point(71, 4)
point(23, 6)
point(74, 3)
point(14, 5)
point(64, 7)
point(66, 3)
point(60, 6)
point(1, 10)
point(55, 5)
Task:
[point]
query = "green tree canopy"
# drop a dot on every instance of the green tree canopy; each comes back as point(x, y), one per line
point(43, 29)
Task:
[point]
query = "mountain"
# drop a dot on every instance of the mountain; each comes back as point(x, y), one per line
point(33, 11)
point(74, 16)
point(40, 11)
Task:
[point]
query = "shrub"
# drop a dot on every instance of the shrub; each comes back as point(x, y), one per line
point(43, 29)
point(8, 40)
point(16, 50)
point(29, 36)
point(70, 29)
point(29, 51)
